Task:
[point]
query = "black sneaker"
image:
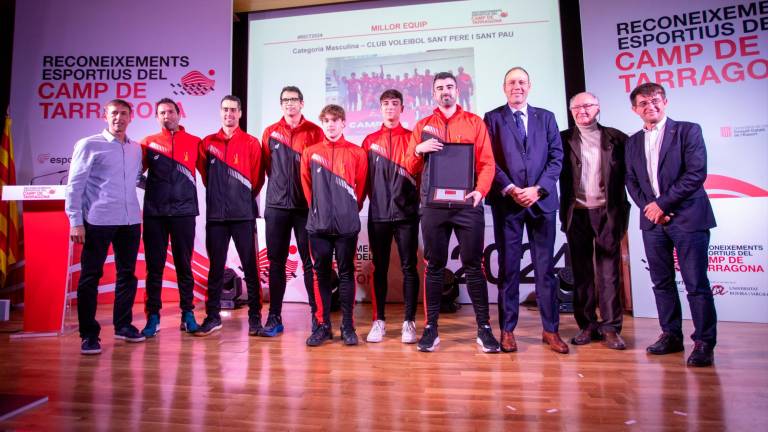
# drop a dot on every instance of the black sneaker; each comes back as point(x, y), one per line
point(130, 333)
point(703, 355)
point(254, 326)
point(667, 344)
point(273, 327)
point(90, 346)
point(429, 339)
point(486, 340)
point(315, 323)
point(208, 326)
point(348, 335)
point(320, 335)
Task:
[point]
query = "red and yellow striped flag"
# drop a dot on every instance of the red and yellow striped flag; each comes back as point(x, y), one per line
point(9, 212)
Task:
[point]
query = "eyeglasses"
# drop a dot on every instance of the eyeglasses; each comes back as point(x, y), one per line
point(290, 100)
point(581, 107)
point(655, 101)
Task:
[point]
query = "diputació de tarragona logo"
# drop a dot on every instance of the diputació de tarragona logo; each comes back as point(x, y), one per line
point(492, 16)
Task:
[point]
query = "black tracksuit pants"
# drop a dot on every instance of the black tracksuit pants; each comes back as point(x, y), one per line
point(323, 247)
point(406, 235)
point(437, 224)
point(217, 235)
point(157, 231)
point(279, 223)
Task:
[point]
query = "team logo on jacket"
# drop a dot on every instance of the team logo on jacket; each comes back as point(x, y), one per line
point(431, 130)
point(194, 83)
point(279, 137)
point(379, 149)
point(158, 147)
point(321, 160)
point(216, 152)
point(237, 160)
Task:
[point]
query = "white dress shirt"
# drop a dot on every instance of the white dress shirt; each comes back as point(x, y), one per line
point(653, 139)
point(524, 117)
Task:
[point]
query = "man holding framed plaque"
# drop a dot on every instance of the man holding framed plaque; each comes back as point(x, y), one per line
point(451, 150)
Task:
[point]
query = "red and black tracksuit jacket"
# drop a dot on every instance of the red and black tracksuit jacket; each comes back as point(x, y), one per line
point(333, 176)
point(282, 147)
point(392, 190)
point(462, 127)
point(232, 174)
point(171, 187)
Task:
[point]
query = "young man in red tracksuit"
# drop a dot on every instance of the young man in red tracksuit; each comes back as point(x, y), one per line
point(170, 208)
point(393, 212)
point(230, 165)
point(286, 207)
point(333, 174)
point(449, 123)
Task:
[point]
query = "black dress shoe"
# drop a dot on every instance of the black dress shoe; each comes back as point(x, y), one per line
point(667, 344)
point(586, 336)
point(702, 355)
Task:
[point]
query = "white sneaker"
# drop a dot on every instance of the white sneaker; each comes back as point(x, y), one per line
point(377, 332)
point(409, 332)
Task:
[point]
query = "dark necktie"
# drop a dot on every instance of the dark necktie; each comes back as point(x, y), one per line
point(520, 125)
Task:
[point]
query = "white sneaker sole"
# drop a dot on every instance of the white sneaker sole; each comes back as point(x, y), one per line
point(486, 350)
point(156, 332)
point(215, 329)
point(374, 339)
point(430, 348)
point(90, 352)
point(131, 340)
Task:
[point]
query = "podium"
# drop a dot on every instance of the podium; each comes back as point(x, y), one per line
point(46, 256)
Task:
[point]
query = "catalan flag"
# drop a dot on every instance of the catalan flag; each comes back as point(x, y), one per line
point(9, 212)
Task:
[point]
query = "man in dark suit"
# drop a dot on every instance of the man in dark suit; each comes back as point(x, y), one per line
point(666, 169)
point(594, 212)
point(528, 152)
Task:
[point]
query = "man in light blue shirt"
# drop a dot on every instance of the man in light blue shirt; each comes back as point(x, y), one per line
point(103, 209)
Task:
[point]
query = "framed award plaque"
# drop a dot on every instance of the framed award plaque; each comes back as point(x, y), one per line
point(451, 175)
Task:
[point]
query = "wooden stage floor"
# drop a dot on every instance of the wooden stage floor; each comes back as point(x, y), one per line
point(232, 381)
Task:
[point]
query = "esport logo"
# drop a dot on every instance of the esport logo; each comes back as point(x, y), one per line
point(47, 158)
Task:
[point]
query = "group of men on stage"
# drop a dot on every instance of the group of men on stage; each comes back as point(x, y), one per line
point(318, 182)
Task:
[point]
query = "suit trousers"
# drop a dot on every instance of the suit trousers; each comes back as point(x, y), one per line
point(157, 230)
point(692, 256)
point(125, 244)
point(508, 224)
point(595, 246)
